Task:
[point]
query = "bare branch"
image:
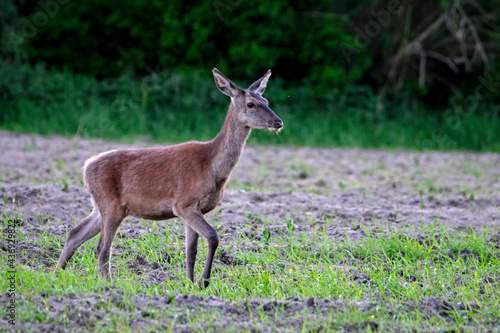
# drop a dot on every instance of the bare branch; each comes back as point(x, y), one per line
point(423, 60)
point(474, 33)
point(444, 59)
point(415, 45)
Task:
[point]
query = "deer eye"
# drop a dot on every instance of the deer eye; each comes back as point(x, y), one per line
point(250, 105)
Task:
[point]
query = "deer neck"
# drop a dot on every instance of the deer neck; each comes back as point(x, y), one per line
point(228, 146)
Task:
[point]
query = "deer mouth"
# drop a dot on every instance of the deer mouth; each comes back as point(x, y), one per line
point(274, 129)
point(277, 126)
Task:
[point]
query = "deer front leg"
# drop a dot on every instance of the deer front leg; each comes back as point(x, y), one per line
point(194, 219)
point(191, 250)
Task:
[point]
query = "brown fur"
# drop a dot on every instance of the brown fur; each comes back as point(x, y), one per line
point(185, 180)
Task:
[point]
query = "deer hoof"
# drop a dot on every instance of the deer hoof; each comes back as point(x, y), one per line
point(203, 283)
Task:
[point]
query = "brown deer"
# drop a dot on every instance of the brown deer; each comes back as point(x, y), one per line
point(185, 180)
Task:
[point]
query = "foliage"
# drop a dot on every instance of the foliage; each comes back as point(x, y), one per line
point(176, 106)
point(108, 38)
point(427, 47)
point(343, 73)
point(11, 43)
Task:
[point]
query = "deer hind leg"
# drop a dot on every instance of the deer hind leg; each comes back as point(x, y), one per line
point(111, 220)
point(195, 220)
point(87, 229)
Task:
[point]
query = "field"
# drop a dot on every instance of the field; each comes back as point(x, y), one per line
point(312, 240)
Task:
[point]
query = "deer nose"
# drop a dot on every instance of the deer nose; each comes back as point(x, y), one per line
point(278, 123)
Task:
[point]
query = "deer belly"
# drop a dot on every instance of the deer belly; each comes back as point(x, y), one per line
point(151, 210)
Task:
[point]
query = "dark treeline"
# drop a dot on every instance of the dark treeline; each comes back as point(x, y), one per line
point(431, 46)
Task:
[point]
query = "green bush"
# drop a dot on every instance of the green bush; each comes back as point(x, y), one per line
point(180, 106)
point(323, 45)
point(107, 38)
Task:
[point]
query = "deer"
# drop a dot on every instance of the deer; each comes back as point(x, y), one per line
point(185, 180)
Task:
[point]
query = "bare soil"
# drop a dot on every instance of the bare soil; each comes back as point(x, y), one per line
point(348, 187)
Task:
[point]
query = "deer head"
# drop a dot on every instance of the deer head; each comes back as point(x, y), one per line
point(252, 110)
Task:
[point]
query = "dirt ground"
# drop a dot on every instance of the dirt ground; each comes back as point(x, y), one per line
point(349, 187)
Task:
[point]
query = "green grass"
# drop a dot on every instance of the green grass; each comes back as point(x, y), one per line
point(176, 107)
point(393, 270)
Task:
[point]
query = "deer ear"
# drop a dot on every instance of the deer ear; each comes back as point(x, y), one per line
point(260, 85)
point(224, 84)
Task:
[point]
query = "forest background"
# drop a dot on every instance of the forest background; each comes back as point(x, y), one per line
point(364, 73)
